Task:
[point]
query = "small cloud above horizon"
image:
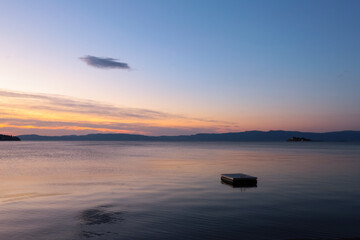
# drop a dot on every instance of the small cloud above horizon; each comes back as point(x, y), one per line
point(104, 63)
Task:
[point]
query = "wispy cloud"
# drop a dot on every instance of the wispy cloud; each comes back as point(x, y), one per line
point(25, 113)
point(105, 63)
point(60, 103)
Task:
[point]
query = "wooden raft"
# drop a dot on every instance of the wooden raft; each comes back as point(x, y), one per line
point(239, 179)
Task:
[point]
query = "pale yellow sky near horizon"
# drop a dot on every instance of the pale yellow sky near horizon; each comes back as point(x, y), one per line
point(51, 114)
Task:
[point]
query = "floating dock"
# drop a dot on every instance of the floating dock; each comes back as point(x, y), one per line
point(239, 179)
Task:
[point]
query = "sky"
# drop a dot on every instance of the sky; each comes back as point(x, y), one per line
point(167, 67)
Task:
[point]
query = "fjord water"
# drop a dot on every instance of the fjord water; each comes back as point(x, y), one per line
point(154, 190)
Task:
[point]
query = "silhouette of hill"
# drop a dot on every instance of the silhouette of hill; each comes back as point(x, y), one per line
point(8, 138)
point(341, 136)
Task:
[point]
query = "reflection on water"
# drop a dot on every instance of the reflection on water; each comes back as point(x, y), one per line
point(243, 186)
point(127, 190)
point(100, 215)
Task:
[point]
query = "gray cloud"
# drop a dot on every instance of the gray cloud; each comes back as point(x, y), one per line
point(60, 103)
point(138, 128)
point(112, 118)
point(105, 63)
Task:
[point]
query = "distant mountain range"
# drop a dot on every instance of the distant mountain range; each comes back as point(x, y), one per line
point(341, 136)
point(8, 138)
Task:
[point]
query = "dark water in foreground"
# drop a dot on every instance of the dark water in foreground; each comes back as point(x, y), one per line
point(125, 190)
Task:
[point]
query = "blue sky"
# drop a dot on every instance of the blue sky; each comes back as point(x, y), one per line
point(231, 61)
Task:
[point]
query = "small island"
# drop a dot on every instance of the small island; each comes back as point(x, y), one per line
point(9, 138)
point(298, 139)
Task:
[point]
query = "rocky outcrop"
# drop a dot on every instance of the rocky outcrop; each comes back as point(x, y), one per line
point(8, 138)
point(298, 139)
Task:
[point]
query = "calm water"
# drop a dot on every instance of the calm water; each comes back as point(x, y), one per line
point(127, 190)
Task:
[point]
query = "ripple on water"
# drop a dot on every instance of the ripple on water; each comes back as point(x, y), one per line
point(94, 220)
point(100, 215)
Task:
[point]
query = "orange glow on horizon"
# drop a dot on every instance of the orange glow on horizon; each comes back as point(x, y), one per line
point(52, 112)
point(75, 128)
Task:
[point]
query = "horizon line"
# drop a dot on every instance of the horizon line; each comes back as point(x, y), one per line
point(265, 131)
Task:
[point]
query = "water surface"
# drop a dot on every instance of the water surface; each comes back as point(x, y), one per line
point(144, 190)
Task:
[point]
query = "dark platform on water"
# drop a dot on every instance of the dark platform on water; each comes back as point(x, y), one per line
point(239, 179)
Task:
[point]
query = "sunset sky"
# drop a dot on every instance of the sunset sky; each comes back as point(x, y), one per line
point(167, 67)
